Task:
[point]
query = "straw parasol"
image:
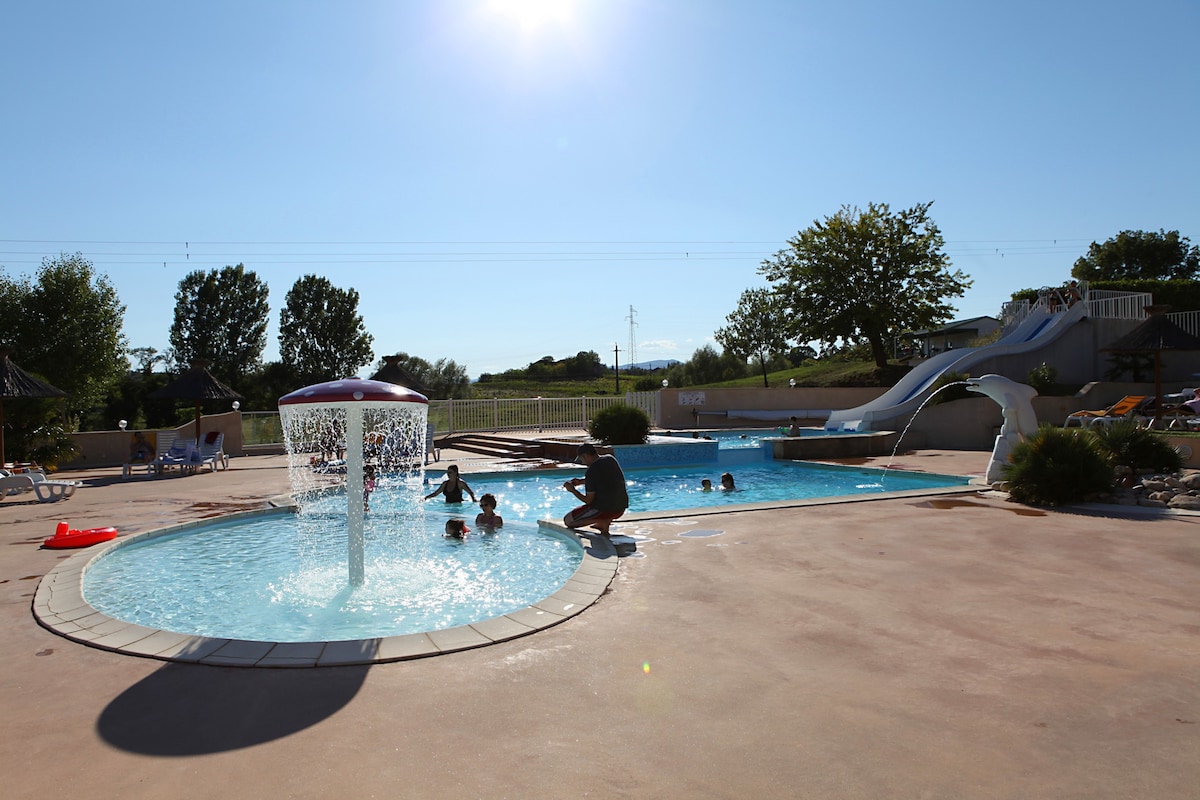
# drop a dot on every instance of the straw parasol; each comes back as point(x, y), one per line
point(16, 382)
point(1155, 335)
point(199, 385)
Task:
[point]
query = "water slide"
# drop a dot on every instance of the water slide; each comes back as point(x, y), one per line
point(1037, 330)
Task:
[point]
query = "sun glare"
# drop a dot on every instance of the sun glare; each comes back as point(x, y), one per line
point(532, 15)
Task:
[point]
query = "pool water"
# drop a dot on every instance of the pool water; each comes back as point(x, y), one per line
point(283, 577)
point(533, 496)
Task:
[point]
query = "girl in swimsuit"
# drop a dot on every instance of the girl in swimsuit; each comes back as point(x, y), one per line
point(453, 487)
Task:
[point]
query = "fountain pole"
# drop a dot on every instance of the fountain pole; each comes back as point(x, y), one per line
point(354, 492)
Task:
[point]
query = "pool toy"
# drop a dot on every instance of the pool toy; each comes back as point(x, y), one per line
point(64, 537)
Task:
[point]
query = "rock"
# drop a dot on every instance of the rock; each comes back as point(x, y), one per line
point(1154, 485)
point(1173, 482)
point(1146, 501)
point(1185, 501)
point(1192, 481)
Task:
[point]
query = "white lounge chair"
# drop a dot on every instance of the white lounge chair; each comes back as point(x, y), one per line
point(430, 447)
point(49, 491)
point(182, 455)
point(212, 454)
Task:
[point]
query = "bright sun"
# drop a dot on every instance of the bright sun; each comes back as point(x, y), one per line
point(532, 15)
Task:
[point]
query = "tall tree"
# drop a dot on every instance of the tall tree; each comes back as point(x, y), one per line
point(221, 317)
point(445, 378)
point(862, 274)
point(321, 333)
point(1140, 255)
point(756, 328)
point(67, 327)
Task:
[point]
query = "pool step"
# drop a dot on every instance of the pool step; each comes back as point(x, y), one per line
point(488, 445)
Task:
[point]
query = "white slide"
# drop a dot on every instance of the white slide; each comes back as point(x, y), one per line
point(1035, 331)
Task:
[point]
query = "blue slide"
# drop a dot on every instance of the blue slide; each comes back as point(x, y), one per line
point(1037, 330)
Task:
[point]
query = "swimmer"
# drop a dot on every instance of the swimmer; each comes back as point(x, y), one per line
point(456, 528)
point(706, 485)
point(727, 482)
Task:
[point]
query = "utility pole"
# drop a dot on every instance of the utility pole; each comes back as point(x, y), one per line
point(617, 367)
point(632, 335)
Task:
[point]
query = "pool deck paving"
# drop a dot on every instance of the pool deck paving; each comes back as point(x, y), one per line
point(928, 647)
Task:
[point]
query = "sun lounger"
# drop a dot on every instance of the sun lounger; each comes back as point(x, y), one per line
point(1125, 408)
point(211, 452)
point(182, 455)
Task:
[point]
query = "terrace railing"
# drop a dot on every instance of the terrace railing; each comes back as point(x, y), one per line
point(475, 416)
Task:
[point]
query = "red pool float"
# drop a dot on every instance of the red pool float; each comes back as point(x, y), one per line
point(64, 537)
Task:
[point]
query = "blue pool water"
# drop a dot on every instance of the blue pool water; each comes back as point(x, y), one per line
point(283, 577)
point(539, 495)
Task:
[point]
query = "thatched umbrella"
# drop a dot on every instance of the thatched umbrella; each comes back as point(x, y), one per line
point(392, 372)
point(16, 382)
point(199, 385)
point(1155, 335)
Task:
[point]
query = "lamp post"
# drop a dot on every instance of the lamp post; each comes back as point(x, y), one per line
point(123, 424)
point(236, 405)
point(666, 383)
point(792, 383)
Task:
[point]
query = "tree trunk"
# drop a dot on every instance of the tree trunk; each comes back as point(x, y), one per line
point(762, 361)
point(878, 350)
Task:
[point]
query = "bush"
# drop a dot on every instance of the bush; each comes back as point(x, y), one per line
point(1056, 466)
point(620, 424)
point(1042, 378)
point(1125, 444)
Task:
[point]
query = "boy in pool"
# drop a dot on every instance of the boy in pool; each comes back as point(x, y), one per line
point(488, 518)
point(706, 485)
point(368, 486)
point(453, 487)
point(456, 528)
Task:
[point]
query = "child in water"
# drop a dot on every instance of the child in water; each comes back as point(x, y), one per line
point(368, 486)
point(488, 518)
point(456, 528)
point(706, 485)
point(453, 487)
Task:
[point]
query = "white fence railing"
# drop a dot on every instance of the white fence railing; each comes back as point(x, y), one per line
point(1188, 320)
point(493, 416)
point(530, 413)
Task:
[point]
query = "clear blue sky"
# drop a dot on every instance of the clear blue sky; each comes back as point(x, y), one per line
point(501, 181)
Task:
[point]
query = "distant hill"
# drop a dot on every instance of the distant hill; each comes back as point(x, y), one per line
point(661, 363)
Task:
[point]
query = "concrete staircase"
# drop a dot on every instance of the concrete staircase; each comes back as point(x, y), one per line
point(490, 445)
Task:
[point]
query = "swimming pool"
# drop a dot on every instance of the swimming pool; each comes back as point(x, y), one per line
point(539, 495)
point(282, 577)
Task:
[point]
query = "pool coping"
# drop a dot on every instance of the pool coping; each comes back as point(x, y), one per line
point(59, 606)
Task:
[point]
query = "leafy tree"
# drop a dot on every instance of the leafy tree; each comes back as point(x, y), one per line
point(860, 274)
point(321, 333)
point(146, 358)
point(444, 377)
point(221, 317)
point(755, 328)
point(67, 327)
point(1140, 255)
point(709, 366)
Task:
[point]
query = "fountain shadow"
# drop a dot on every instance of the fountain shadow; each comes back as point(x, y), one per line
point(187, 710)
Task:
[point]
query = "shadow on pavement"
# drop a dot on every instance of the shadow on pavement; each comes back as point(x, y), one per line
point(186, 709)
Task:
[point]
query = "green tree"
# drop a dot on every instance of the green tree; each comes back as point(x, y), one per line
point(321, 333)
point(755, 329)
point(708, 366)
point(67, 327)
point(444, 377)
point(862, 274)
point(221, 317)
point(1140, 255)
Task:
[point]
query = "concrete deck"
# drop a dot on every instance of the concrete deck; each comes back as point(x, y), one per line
point(961, 647)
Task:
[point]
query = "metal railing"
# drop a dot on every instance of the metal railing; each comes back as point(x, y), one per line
point(494, 416)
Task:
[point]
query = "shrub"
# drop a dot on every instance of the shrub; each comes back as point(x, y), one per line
point(1056, 466)
point(1042, 378)
point(1125, 444)
point(620, 424)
